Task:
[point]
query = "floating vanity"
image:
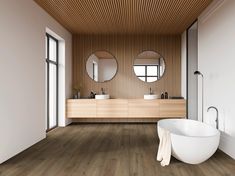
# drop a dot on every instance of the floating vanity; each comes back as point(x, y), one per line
point(126, 108)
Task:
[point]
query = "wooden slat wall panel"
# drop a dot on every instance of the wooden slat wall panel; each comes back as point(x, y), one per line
point(125, 48)
point(125, 16)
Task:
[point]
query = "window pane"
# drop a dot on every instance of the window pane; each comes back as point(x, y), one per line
point(151, 79)
point(52, 96)
point(151, 70)
point(52, 49)
point(46, 47)
point(139, 70)
point(142, 78)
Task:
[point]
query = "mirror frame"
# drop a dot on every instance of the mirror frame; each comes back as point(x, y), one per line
point(110, 54)
point(133, 62)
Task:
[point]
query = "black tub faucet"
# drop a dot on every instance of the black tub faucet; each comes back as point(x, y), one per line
point(217, 115)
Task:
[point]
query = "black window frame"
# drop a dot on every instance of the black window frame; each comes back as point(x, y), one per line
point(56, 63)
point(93, 71)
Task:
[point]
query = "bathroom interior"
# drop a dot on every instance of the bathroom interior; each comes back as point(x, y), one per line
point(117, 87)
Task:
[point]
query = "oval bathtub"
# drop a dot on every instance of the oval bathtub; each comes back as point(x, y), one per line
point(192, 141)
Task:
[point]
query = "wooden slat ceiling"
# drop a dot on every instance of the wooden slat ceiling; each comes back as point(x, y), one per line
point(125, 16)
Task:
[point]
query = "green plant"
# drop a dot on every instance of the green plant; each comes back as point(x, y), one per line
point(77, 88)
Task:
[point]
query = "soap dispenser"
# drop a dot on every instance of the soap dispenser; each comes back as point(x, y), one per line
point(162, 95)
point(166, 95)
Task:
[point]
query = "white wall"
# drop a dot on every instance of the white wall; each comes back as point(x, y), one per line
point(107, 69)
point(216, 54)
point(22, 74)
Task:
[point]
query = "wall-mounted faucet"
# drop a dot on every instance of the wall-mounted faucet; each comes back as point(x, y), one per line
point(217, 115)
point(102, 91)
point(150, 91)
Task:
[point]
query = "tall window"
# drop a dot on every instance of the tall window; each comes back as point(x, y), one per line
point(52, 81)
point(147, 73)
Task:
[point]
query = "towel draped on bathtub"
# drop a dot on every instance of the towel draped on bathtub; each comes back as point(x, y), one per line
point(164, 148)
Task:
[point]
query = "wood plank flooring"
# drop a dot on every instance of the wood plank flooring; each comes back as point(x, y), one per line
point(106, 150)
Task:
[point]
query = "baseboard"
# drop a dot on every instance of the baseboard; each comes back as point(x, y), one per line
point(227, 144)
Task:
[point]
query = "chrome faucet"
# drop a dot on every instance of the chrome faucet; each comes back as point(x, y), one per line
point(217, 115)
point(102, 91)
point(150, 91)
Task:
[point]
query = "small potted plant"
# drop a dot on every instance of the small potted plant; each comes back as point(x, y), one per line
point(76, 91)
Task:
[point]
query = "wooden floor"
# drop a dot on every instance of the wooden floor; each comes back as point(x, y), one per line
point(106, 150)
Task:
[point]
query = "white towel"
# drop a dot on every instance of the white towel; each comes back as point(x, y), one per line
point(164, 148)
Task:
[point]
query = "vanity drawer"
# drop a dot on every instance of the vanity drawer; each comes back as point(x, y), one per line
point(143, 108)
point(112, 108)
point(81, 109)
point(173, 108)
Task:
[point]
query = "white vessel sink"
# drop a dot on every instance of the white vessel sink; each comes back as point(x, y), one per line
point(102, 97)
point(150, 97)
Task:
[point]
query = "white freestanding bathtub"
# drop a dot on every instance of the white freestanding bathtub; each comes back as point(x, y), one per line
point(192, 141)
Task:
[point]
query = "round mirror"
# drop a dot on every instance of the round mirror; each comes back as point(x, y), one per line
point(149, 66)
point(101, 66)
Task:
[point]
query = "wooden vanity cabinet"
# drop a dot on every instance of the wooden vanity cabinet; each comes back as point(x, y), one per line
point(126, 108)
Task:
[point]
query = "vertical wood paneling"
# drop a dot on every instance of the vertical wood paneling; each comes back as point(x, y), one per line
point(125, 48)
